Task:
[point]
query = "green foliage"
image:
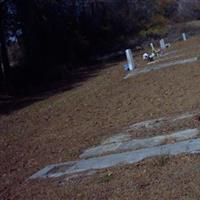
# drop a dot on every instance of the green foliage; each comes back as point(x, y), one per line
point(153, 32)
point(155, 28)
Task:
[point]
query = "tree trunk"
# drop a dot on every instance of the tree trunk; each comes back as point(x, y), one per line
point(5, 65)
point(1, 71)
point(26, 15)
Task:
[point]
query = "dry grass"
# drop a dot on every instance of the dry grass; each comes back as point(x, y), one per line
point(59, 128)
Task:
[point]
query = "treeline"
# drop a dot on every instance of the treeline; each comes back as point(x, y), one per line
point(58, 36)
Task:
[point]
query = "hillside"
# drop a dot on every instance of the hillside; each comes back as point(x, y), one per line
point(59, 128)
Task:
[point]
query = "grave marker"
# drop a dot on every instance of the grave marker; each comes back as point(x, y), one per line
point(162, 44)
point(184, 36)
point(131, 64)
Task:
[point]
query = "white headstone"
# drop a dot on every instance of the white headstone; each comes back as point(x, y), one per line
point(130, 60)
point(184, 36)
point(162, 44)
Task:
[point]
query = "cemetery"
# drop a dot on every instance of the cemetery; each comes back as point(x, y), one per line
point(130, 127)
point(169, 133)
point(100, 100)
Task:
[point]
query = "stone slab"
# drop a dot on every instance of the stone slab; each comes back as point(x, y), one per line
point(144, 70)
point(149, 125)
point(190, 146)
point(136, 144)
point(156, 123)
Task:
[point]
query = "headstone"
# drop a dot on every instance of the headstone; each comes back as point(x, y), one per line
point(162, 44)
point(184, 36)
point(131, 64)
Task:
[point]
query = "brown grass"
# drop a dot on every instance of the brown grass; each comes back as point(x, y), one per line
point(59, 128)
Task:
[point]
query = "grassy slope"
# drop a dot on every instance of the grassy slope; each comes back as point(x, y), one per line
point(58, 128)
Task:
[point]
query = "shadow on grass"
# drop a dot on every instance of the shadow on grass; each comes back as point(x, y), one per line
point(17, 96)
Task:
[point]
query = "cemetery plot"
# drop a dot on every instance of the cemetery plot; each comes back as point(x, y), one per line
point(122, 149)
point(126, 139)
point(136, 144)
point(163, 54)
point(145, 70)
point(190, 147)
